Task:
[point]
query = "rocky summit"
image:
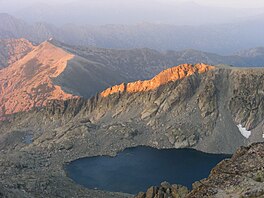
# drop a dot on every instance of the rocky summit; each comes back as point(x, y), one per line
point(166, 76)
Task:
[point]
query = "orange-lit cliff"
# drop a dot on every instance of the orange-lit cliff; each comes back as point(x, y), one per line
point(162, 78)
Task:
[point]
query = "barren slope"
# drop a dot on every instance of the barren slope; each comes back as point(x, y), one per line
point(12, 50)
point(28, 82)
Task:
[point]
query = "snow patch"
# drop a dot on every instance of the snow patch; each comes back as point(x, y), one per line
point(244, 131)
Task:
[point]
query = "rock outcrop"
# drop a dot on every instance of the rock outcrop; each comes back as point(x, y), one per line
point(165, 190)
point(241, 176)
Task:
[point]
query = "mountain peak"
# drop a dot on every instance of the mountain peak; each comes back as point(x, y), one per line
point(27, 83)
point(164, 77)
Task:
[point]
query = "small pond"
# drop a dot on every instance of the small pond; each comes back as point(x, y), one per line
point(135, 169)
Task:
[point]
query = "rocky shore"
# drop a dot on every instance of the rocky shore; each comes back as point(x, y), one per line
point(241, 176)
point(165, 190)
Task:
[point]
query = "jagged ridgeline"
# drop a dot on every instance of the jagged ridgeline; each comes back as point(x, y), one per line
point(33, 74)
point(201, 106)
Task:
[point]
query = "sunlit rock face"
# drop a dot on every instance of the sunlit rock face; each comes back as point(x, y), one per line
point(166, 76)
point(27, 82)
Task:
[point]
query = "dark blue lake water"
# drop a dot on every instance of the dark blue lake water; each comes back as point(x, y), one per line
point(136, 169)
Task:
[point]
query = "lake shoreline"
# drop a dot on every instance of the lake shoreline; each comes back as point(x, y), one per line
point(179, 154)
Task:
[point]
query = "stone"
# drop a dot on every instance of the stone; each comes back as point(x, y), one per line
point(179, 191)
point(160, 194)
point(165, 185)
point(141, 195)
point(151, 192)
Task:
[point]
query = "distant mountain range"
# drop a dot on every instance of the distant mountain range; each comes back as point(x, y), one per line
point(223, 39)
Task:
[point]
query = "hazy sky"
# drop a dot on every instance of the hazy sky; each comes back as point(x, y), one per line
point(232, 3)
point(222, 3)
point(98, 12)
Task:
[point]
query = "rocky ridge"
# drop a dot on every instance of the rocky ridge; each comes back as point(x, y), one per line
point(27, 82)
point(87, 72)
point(201, 110)
point(166, 76)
